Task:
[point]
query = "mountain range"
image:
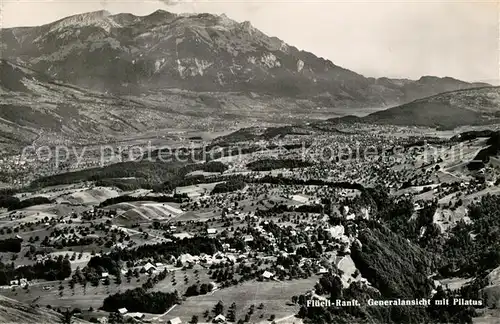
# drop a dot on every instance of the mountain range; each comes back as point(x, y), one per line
point(131, 54)
point(97, 73)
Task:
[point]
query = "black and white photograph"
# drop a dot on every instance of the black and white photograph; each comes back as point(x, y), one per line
point(250, 161)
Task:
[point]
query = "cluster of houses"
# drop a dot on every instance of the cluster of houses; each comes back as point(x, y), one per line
point(217, 319)
point(19, 283)
point(176, 320)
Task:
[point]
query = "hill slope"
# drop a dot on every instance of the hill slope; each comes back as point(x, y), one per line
point(129, 54)
point(12, 311)
point(479, 106)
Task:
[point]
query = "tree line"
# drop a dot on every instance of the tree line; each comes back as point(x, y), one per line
point(14, 203)
point(273, 164)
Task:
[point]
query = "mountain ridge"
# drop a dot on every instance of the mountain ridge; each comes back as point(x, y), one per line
point(447, 110)
point(124, 54)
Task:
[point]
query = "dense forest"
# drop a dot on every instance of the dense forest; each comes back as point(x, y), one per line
point(153, 172)
point(391, 264)
point(467, 256)
point(126, 198)
point(273, 164)
point(132, 175)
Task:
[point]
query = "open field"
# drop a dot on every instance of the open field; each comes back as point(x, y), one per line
point(196, 190)
point(276, 297)
point(146, 211)
point(91, 196)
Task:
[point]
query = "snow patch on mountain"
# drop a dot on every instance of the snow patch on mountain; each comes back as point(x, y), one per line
point(202, 65)
point(159, 64)
point(180, 68)
point(270, 60)
point(300, 65)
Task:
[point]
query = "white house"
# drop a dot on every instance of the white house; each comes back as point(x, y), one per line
point(219, 319)
point(214, 285)
point(212, 231)
point(123, 311)
point(148, 267)
point(248, 238)
point(19, 282)
point(135, 315)
point(350, 216)
point(267, 275)
point(175, 320)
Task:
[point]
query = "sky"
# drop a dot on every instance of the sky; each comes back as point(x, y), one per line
point(398, 39)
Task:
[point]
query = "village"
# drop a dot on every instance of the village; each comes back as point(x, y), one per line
point(239, 245)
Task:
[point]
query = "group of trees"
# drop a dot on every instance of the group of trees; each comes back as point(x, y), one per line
point(196, 289)
point(152, 280)
point(58, 269)
point(139, 300)
point(11, 245)
point(99, 264)
point(229, 186)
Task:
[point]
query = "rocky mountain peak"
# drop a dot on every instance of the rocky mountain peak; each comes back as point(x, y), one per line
point(97, 18)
